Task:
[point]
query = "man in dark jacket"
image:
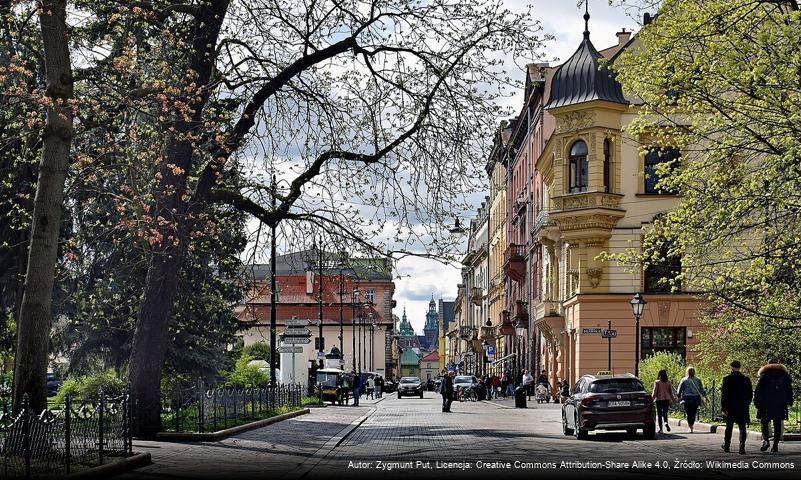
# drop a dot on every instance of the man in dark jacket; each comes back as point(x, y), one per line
point(773, 397)
point(357, 388)
point(735, 402)
point(446, 390)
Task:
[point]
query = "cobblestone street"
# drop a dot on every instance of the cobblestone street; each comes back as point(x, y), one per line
point(388, 438)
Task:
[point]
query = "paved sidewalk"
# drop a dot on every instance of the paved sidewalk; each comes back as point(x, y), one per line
point(269, 452)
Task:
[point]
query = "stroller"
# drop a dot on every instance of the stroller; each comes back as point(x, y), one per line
point(542, 393)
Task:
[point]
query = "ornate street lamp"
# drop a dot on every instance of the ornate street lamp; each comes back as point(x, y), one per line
point(372, 341)
point(637, 307)
point(353, 300)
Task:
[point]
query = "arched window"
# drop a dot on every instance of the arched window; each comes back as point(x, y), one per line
point(607, 165)
point(578, 167)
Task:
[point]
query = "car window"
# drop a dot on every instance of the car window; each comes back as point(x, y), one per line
point(463, 380)
point(577, 388)
point(616, 385)
point(410, 380)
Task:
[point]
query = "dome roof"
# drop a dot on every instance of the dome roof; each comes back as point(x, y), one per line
point(580, 79)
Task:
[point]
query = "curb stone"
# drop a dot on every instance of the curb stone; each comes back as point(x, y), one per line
point(222, 434)
point(137, 460)
point(717, 428)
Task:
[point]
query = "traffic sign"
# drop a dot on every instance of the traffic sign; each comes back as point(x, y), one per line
point(290, 349)
point(490, 351)
point(297, 332)
point(609, 333)
point(297, 340)
point(296, 322)
point(591, 330)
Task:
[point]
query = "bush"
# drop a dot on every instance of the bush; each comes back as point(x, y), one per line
point(87, 387)
point(244, 375)
point(259, 351)
point(672, 362)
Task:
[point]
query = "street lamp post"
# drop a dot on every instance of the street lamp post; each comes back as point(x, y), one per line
point(341, 305)
point(353, 300)
point(372, 345)
point(273, 295)
point(321, 346)
point(637, 306)
point(518, 355)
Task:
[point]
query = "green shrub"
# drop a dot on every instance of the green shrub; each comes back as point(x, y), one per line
point(259, 351)
point(244, 375)
point(673, 363)
point(88, 386)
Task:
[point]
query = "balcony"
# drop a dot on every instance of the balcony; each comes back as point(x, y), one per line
point(587, 215)
point(467, 333)
point(514, 262)
point(487, 333)
point(548, 318)
point(507, 327)
point(476, 297)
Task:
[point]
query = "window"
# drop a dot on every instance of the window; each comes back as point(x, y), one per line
point(663, 339)
point(607, 165)
point(660, 276)
point(318, 345)
point(578, 167)
point(654, 158)
point(369, 295)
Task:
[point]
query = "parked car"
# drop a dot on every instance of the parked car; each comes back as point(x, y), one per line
point(52, 384)
point(468, 382)
point(389, 386)
point(608, 402)
point(410, 386)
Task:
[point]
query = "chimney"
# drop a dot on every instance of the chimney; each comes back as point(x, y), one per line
point(623, 37)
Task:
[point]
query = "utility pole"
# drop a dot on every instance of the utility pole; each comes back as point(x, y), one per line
point(341, 306)
point(609, 354)
point(320, 319)
point(273, 296)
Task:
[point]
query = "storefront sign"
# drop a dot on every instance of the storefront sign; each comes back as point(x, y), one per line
point(591, 330)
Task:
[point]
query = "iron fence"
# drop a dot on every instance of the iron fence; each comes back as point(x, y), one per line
point(711, 410)
point(202, 409)
point(66, 437)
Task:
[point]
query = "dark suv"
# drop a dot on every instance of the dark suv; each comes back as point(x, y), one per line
point(608, 402)
point(410, 386)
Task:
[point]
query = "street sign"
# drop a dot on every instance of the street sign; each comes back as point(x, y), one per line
point(591, 330)
point(490, 351)
point(321, 355)
point(296, 322)
point(290, 349)
point(297, 340)
point(297, 332)
point(608, 333)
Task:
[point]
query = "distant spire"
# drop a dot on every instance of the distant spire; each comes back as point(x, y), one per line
point(586, 19)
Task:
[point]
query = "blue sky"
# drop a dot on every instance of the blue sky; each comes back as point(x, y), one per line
point(419, 278)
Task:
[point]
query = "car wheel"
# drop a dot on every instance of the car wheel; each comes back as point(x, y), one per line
point(399, 396)
point(580, 433)
point(565, 429)
point(631, 432)
point(421, 394)
point(649, 431)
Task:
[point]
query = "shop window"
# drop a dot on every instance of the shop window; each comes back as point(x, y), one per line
point(663, 339)
point(653, 159)
point(579, 174)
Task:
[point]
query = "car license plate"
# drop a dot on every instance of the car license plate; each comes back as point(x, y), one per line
point(621, 403)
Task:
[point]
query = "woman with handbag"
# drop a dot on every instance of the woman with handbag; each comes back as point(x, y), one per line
point(663, 397)
point(691, 394)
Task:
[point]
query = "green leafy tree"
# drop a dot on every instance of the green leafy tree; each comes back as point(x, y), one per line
point(719, 80)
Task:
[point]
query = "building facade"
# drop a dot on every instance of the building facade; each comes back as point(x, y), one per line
point(361, 312)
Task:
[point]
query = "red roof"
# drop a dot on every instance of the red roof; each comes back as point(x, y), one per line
point(431, 357)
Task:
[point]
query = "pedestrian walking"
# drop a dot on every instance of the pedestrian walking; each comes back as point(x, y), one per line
point(736, 393)
point(528, 383)
point(663, 397)
point(357, 388)
point(496, 385)
point(344, 387)
point(565, 393)
point(691, 393)
point(510, 385)
point(379, 386)
point(370, 388)
point(446, 390)
point(773, 397)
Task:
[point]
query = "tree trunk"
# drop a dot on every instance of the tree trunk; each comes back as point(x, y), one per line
point(151, 338)
point(33, 329)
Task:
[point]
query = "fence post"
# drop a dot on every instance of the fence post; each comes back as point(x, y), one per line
point(176, 403)
point(128, 412)
point(68, 431)
point(214, 406)
point(26, 434)
point(101, 421)
point(201, 397)
point(225, 408)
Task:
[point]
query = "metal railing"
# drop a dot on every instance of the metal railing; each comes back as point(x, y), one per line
point(58, 440)
point(208, 409)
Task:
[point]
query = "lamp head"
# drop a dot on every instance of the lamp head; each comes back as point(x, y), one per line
point(637, 304)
